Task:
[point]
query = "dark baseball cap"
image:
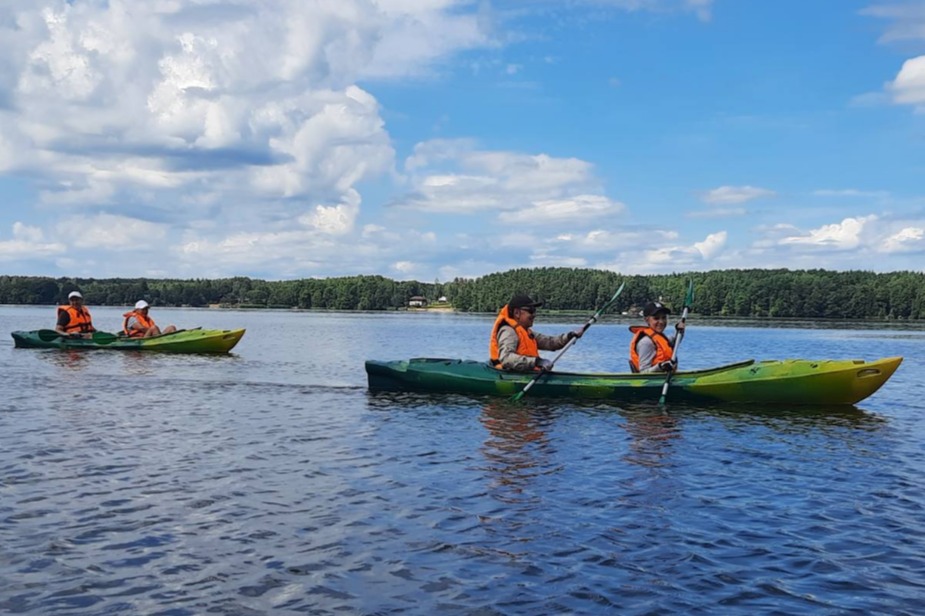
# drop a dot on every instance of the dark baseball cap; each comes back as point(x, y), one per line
point(520, 300)
point(653, 308)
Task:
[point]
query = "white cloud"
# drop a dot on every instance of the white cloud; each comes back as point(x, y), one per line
point(907, 19)
point(712, 245)
point(28, 243)
point(335, 219)
point(908, 239)
point(111, 232)
point(453, 176)
point(909, 86)
point(581, 208)
point(733, 195)
point(224, 98)
point(27, 233)
point(845, 235)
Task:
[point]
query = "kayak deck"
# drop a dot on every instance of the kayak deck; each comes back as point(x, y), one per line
point(790, 382)
point(181, 341)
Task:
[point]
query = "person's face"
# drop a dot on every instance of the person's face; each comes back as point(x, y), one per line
point(525, 316)
point(658, 322)
point(76, 301)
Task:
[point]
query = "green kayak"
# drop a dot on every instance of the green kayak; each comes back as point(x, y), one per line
point(792, 381)
point(181, 341)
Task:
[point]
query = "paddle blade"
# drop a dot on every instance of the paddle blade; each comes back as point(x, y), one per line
point(104, 337)
point(47, 335)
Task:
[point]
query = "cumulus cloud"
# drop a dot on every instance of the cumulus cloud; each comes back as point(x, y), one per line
point(733, 195)
point(909, 86)
point(110, 232)
point(224, 97)
point(672, 257)
point(563, 211)
point(454, 176)
point(28, 242)
point(907, 239)
point(845, 235)
point(906, 21)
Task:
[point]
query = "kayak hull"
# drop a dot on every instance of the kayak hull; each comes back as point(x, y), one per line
point(183, 341)
point(785, 382)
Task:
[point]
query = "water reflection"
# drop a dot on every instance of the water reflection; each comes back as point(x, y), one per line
point(791, 419)
point(518, 447)
point(651, 437)
point(69, 359)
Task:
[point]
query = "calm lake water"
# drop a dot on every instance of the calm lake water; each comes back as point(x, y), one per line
point(270, 481)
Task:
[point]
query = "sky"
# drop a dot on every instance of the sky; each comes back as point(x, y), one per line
point(434, 139)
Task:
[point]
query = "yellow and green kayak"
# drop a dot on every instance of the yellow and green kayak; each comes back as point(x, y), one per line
point(787, 382)
point(181, 341)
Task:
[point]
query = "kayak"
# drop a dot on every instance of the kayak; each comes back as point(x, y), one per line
point(789, 382)
point(182, 341)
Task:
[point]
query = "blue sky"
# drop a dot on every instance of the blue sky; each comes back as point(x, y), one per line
point(431, 139)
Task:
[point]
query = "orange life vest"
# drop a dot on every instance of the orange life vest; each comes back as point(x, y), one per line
point(145, 322)
point(663, 348)
point(79, 319)
point(527, 345)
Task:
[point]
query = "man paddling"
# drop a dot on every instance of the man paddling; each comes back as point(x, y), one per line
point(74, 319)
point(514, 345)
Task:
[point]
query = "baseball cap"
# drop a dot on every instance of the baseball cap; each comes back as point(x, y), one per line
point(520, 300)
point(74, 294)
point(653, 308)
point(141, 304)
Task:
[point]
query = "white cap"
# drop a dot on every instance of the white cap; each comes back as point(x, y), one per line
point(74, 294)
point(141, 304)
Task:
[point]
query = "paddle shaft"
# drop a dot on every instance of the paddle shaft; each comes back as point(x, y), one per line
point(674, 351)
point(569, 344)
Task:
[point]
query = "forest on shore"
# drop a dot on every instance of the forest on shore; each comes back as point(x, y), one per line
point(778, 293)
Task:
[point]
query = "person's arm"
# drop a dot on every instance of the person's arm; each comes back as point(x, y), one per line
point(552, 343)
point(63, 320)
point(508, 341)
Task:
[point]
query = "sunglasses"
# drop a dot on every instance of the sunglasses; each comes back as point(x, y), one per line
point(531, 310)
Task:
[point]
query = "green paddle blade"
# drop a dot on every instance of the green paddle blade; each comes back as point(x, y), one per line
point(104, 337)
point(47, 335)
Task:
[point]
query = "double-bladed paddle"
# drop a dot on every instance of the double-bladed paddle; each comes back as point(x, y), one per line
point(47, 335)
point(674, 352)
point(568, 345)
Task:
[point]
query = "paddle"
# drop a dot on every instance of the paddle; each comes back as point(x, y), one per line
point(674, 352)
point(104, 337)
point(568, 345)
point(47, 335)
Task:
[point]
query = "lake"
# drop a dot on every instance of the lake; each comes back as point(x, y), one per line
point(271, 481)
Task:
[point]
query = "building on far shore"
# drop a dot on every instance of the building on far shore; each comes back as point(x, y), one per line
point(417, 301)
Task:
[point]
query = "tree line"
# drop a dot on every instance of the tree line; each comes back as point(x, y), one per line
point(778, 293)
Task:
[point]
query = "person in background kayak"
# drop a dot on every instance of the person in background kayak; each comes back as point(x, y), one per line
point(651, 349)
point(514, 346)
point(74, 319)
point(137, 323)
